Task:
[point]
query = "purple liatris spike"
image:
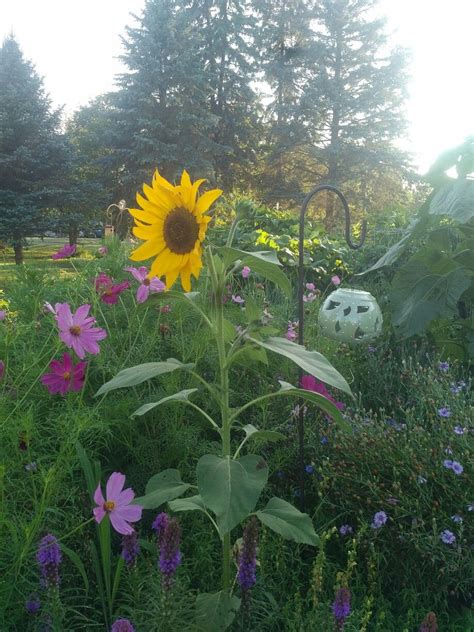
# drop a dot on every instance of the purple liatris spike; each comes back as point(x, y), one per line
point(170, 555)
point(122, 625)
point(341, 607)
point(159, 524)
point(130, 548)
point(248, 556)
point(49, 559)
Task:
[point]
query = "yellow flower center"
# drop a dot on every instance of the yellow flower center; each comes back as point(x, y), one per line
point(75, 330)
point(109, 505)
point(67, 375)
point(181, 231)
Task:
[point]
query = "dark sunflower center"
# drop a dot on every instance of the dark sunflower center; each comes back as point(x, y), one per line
point(180, 231)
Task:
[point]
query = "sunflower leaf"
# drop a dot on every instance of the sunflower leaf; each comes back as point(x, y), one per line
point(141, 373)
point(180, 396)
point(265, 263)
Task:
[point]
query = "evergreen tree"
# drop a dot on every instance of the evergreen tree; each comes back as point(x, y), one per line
point(31, 150)
point(359, 86)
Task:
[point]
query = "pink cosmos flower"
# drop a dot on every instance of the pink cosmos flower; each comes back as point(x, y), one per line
point(117, 506)
point(245, 272)
point(77, 331)
point(335, 280)
point(103, 250)
point(291, 334)
point(47, 307)
point(310, 287)
point(310, 297)
point(65, 252)
point(64, 376)
point(108, 291)
point(146, 285)
point(238, 299)
point(310, 383)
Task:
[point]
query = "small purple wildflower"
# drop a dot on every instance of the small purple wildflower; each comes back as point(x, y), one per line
point(456, 467)
point(459, 430)
point(33, 604)
point(160, 523)
point(324, 441)
point(443, 366)
point(245, 272)
point(309, 469)
point(444, 412)
point(130, 548)
point(310, 297)
point(447, 537)
point(341, 608)
point(170, 555)
point(379, 519)
point(310, 287)
point(246, 574)
point(456, 518)
point(455, 389)
point(371, 349)
point(392, 501)
point(122, 625)
point(346, 529)
point(237, 299)
point(49, 559)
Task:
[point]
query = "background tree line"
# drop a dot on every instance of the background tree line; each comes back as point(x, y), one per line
point(269, 96)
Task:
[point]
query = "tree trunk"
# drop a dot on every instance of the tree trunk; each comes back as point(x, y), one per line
point(18, 250)
point(73, 232)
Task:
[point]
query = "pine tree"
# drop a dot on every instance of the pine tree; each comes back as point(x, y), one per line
point(31, 150)
point(359, 86)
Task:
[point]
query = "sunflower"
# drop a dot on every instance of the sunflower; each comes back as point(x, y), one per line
point(173, 224)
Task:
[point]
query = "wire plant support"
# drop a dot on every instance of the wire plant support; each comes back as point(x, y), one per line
point(301, 275)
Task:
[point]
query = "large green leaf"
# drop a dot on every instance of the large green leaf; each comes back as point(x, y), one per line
point(316, 398)
point(312, 362)
point(161, 488)
point(262, 435)
point(140, 373)
point(455, 199)
point(192, 503)
point(231, 488)
point(181, 396)
point(216, 611)
point(264, 263)
point(290, 523)
point(426, 288)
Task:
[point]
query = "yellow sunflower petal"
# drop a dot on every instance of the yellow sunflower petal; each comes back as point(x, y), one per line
point(185, 179)
point(167, 261)
point(205, 201)
point(162, 182)
point(149, 233)
point(160, 210)
point(171, 278)
point(144, 216)
point(148, 249)
point(186, 279)
point(161, 197)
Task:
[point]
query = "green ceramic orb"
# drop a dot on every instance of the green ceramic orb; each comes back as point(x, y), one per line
point(351, 316)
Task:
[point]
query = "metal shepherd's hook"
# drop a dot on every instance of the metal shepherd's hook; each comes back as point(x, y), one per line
point(351, 244)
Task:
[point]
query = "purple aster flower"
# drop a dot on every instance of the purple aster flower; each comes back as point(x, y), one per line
point(379, 519)
point(459, 430)
point(456, 518)
point(447, 537)
point(443, 366)
point(33, 604)
point(122, 625)
point(246, 575)
point(444, 412)
point(341, 608)
point(49, 559)
point(455, 389)
point(456, 467)
point(130, 548)
point(170, 555)
point(346, 529)
point(309, 469)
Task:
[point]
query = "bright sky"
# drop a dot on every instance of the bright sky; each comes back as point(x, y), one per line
point(75, 45)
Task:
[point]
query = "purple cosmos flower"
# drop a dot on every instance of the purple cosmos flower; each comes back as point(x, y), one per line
point(443, 366)
point(310, 287)
point(237, 299)
point(64, 376)
point(444, 412)
point(459, 430)
point(33, 604)
point(447, 537)
point(147, 285)
point(65, 252)
point(2, 369)
point(346, 529)
point(3, 314)
point(379, 519)
point(170, 555)
point(122, 625)
point(117, 506)
point(335, 280)
point(245, 272)
point(309, 469)
point(130, 548)
point(456, 518)
point(310, 297)
point(49, 559)
point(103, 250)
point(246, 574)
point(77, 330)
point(456, 467)
point(109, 291)
point(291, 334)
point(341, 608)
